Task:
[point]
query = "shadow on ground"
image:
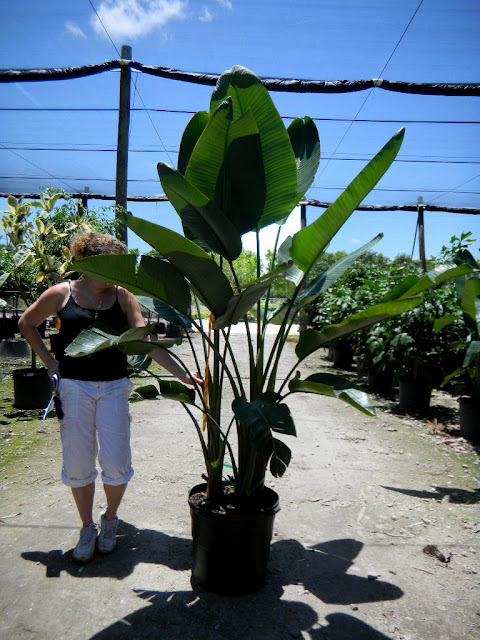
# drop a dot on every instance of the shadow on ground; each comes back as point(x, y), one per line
point(189, 615)
point(457, 496)
point(198, 614)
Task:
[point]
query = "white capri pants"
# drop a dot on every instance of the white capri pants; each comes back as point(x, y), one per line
point(96, 420)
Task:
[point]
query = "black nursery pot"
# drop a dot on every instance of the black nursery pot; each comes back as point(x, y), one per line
point(231, 550)
point(32, 388)
point(469, 418)
point(414, 396)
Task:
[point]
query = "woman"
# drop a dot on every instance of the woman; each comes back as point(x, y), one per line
point(93, 390)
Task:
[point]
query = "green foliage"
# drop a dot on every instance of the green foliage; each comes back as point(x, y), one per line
point(466, 378)
point(38, 233)
point(416, 351)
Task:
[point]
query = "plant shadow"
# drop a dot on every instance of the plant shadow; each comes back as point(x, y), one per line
point(263, 615)
point(198, 615)
point(322, 569)
point(456, 496)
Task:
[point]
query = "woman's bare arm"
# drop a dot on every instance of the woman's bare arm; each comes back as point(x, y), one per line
point(133, 312)
point(48, 304)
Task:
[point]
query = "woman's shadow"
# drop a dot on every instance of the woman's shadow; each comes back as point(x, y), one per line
point(134, 546)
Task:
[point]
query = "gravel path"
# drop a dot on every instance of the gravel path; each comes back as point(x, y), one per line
point(370, 511)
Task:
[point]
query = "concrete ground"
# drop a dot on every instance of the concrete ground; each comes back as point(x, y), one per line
point(360, 503)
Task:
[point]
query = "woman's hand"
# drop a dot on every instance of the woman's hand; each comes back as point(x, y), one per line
point(194, 378)
point(53, 368)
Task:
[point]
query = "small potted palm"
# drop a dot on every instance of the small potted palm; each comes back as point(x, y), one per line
point(240, 170)
point(421, 356)
point(466, 377)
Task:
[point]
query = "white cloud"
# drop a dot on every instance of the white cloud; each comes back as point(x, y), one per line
point(355, 241)
point(73, 30)
point(132, 19)
point(226, 4)
point(206, 16)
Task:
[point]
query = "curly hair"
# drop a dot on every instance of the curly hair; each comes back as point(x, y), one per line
point(92, 243)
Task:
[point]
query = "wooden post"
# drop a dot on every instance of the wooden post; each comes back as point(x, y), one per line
point(302, 321)
point(84, 198)
point(123, 131)
point(421, 233)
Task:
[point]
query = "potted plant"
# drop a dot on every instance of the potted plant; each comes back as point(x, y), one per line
point(241, 170)
point(466, 377)
point(420, 355)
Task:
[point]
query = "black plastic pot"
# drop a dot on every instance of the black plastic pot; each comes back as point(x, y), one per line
point(231, 550)
point(342, 357)
point(380, 381)
point(32, 388)
point(414, 395)
point(14, 348)
point(469, 418)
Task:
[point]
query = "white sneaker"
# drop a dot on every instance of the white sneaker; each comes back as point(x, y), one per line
point(107, 540)
point(85, 548)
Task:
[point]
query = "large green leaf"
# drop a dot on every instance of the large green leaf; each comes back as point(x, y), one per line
point(309, 243)
point(155, 278)
point(310, 340)
point(163, 310)
point(175, 390)
point(260, 418)
point(470, 301)
point(190, 137)
point(191, 261)
point(241, 303)
point(200, 214)
point(472, 351)
point(431, 279)
point(248, 92)
point(306, 148)
point(328, 384)
point(226, 165)
point(336, 271)
point(21, 256)
point(293, 273)
point(99, 337)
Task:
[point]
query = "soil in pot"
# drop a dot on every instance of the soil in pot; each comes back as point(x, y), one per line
point(414, 395)
point(469, 418)
point(231, 540)
point(32, 388)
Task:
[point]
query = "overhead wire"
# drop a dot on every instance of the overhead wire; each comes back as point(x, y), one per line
point(370, 92)
point(136, 91)
point(359, 158)
point(455, 189)
point(40, 168)
point(188, 112)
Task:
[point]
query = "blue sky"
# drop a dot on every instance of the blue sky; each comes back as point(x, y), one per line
point(313, 39)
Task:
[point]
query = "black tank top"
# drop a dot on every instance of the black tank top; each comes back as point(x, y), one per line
point(109, 364)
